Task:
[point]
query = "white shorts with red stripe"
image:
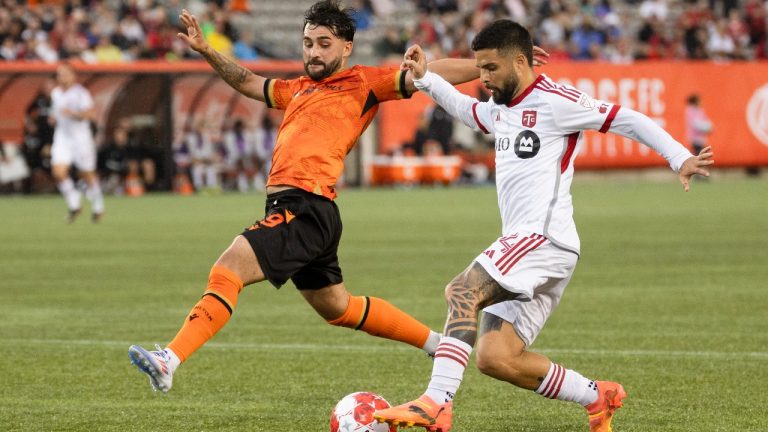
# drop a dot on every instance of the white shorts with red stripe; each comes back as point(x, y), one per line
point(530, 265)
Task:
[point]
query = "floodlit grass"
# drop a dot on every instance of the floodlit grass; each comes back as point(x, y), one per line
point(670, 298)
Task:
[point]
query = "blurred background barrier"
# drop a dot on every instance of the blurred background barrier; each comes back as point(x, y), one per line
point(161, 103)
point(734, 95)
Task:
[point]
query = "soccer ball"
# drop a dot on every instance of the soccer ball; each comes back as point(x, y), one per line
point(354, 413)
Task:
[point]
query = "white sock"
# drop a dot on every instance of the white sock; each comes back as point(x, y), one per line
point(258, 182)
point(70, 193)
point(174, 359)
point(430, 346)
point(242, 183)
point(93, 193)
point(451, 358)
point(212, 176)
point(197, 176)
point(567, 385)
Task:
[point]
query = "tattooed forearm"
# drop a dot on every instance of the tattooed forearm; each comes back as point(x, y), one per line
point(234, 74)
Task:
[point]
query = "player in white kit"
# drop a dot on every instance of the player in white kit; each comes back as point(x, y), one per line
point(73, 144)
point(519, 279)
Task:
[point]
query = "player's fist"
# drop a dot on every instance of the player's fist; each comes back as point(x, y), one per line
point(194, 36)
point(416, 61)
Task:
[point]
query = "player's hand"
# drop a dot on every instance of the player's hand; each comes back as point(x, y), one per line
point(416, 61)
point(74, 115)
point(540, 57)
point(695, 165)
point(194, 36)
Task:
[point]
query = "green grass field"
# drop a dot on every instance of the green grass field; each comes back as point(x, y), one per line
point(670, 298)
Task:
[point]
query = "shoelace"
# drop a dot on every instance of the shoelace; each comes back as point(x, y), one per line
point(161, 353)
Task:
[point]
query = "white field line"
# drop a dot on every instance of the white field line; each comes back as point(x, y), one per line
point(399, 347)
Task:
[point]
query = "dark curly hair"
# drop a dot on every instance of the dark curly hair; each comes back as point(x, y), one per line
point(505, 35)
point(331, 14)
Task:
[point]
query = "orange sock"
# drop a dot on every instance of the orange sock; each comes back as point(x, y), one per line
point(209, 314)
point(378, 317)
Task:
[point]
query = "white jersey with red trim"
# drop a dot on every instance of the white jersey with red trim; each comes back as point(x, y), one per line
point(537, 137)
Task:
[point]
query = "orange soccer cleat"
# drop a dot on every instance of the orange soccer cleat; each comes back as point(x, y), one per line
point(422, 412)
point(609, 397)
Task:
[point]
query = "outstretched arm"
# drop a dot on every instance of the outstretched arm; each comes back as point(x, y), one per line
point(441, 91)
point(238, 77)
point(639, 127)
point(458, 71)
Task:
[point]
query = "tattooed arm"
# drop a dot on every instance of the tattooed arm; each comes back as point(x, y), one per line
point(238, 77)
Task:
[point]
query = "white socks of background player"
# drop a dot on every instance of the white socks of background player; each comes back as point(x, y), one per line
point(70, 193)
point(451, 358)
point(94, 195)
point(567, 385)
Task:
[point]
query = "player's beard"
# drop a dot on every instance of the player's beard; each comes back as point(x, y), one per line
point(328, 69)
point(503, 95)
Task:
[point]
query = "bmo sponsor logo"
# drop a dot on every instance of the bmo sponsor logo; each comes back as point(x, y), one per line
point(757, 114)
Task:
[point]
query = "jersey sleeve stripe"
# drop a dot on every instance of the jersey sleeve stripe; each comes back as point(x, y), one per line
point(570, 91)
point(400, 86)
point(268, 88)
point(572, 140)
point(609, 119)
point(545, 84)
point(477, 119)
point(560, 93)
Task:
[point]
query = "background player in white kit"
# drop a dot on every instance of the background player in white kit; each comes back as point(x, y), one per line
point(73, 144)
point(519, 279)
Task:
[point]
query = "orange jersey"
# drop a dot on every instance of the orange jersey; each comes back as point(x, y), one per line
point(323, 121)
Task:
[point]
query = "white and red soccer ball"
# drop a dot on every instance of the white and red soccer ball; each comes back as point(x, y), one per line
point(354, 413)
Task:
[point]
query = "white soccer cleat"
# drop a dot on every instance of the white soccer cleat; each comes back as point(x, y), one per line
point(156, 364)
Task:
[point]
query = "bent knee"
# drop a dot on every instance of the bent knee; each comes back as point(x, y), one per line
point(499, 364)
point(336, 306)
point(458, 287)
point(240, 258)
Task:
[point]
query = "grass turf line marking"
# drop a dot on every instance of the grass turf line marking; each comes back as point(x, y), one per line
point(324, 347)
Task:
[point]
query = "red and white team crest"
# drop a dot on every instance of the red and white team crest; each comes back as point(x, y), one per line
point(529, 119)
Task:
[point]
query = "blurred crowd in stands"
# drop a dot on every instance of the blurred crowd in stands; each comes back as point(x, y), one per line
point(610, 30)
point(112, 31)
